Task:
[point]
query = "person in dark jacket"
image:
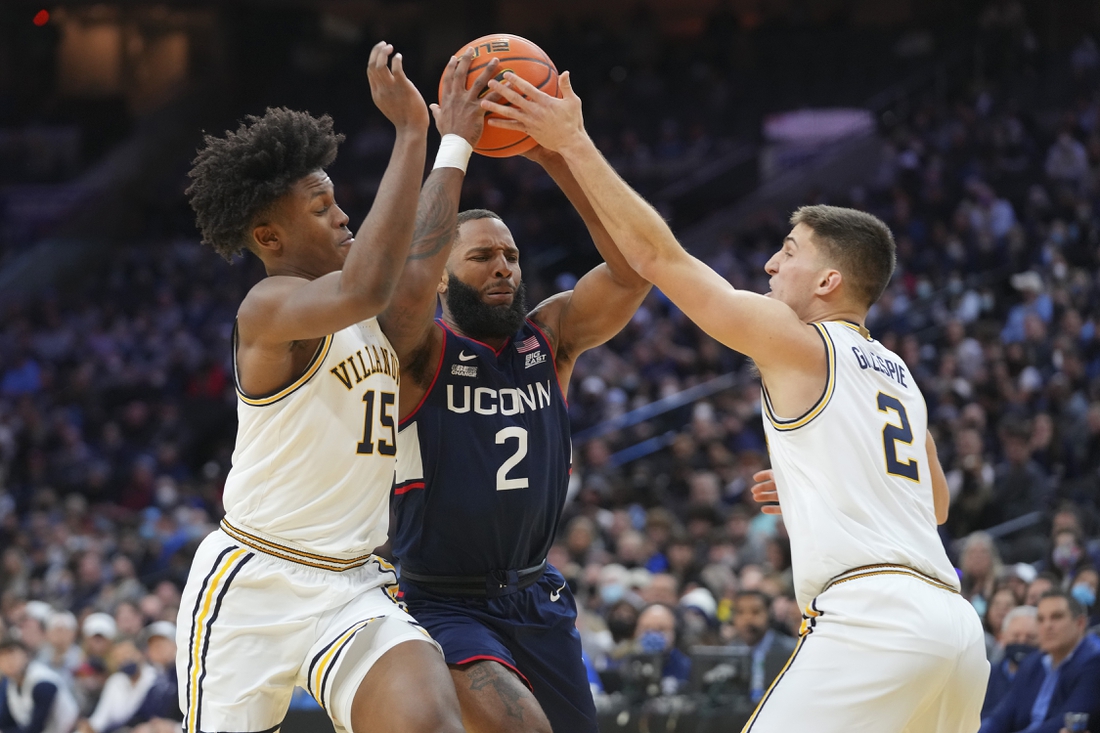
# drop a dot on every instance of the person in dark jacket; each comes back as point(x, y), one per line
point(1065, 678)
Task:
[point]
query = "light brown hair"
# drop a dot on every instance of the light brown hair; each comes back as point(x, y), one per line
point(858, 244)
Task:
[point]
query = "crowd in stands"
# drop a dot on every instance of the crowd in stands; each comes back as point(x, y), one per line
point(117, 419)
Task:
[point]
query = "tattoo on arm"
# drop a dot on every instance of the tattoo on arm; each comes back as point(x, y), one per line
point(435, 220)
point(484, 676)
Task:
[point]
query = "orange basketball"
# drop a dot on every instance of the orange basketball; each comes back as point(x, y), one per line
point(525, 60)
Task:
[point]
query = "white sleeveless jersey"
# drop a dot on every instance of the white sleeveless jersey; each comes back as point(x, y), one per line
point(20, 700)
point(314, 462)
point(852, 473)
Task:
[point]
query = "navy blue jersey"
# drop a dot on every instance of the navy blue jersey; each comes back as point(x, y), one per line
point(483, 461)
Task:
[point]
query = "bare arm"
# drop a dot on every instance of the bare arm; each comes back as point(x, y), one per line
point(764, 329)
point(941, 494)
point(605, 299)
point(286, 309)
point(407, 322)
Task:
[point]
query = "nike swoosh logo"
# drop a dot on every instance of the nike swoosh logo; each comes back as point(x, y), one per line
point(463, 356)
point(556, 594)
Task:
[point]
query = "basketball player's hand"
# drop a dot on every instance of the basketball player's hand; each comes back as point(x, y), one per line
point(555, 123)
point(392, 91)
point(459, 111)
point(764, 491)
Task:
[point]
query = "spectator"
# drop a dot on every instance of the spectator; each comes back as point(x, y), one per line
point(1042, 584)
point(61, 653)
point(656, 633)
point(981, 565)
point(1018, 638)
point(160, 711)
point(753, 627)
point(99, 631)
point(1084, 590)
point(33, 698)
point(1067, 160)
point(130, 682)
point(1067, 557)
point(1065, 678)
point(1003, 601)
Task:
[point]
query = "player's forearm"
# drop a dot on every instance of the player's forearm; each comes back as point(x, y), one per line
point(410, 312)
point(637, 229)
point(382, 243)
point(620, 270)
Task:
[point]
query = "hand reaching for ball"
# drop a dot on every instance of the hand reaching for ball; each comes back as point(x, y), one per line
point(555, 123)
point(394, 95)
point(458, 111)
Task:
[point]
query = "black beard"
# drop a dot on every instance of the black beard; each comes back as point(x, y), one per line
point(479, 320)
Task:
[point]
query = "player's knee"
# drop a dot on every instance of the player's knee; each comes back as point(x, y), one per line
point(420, 714)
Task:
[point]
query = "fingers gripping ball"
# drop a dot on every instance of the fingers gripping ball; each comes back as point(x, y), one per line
point(525, 60)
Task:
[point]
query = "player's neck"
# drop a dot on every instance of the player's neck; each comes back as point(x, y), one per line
point(822, 312)
point(496, 344)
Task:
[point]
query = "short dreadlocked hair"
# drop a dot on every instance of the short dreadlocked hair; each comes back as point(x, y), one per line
point(238, 177)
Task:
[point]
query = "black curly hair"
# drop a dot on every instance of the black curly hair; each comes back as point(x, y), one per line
point(240, 176)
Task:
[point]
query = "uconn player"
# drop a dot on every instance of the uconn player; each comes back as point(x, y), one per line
point(287, 591)
point(887, 644)
point(484, 452)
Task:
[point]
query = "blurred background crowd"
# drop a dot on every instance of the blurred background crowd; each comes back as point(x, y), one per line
point(981, 150)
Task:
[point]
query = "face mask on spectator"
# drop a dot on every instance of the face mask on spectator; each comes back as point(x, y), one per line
point(611, 593)
point(652, 642)
point(620, 628)
point(1016, 653)
point(1066, 556)
point(1085, 594)
point(129, 669)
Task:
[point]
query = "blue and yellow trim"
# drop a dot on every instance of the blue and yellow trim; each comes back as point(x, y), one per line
point(284, 552)
point(760, 706)
point(207, 606)
point(325, 660)
point(868, 571)
point(312, 368)
point(822, 402)
point(860, 329)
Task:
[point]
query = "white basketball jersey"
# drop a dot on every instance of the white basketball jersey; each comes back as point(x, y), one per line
point(314, 462)
point(852, 473)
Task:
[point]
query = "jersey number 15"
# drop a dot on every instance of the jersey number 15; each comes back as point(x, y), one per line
point(367, 445)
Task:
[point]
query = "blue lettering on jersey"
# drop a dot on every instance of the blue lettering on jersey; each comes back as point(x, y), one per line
point(887, 367)
point(494, 445)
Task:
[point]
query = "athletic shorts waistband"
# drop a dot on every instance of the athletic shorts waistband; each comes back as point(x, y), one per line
point(285, 551)
point(868, 571)
point(495, 584)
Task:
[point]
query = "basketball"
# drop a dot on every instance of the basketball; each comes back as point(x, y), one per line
point(522, 58)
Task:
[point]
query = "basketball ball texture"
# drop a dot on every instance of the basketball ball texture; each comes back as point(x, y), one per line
point(525, 60)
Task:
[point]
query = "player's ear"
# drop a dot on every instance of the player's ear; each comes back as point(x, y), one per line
point(265, 238)
point(442, 287)
point(830, 282)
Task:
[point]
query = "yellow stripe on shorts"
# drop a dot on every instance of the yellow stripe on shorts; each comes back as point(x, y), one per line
point(217, 583)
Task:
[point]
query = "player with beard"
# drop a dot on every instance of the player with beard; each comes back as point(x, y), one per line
point(484, 454)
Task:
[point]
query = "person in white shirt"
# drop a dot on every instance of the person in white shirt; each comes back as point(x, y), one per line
point(124, 692)
point(33, 698)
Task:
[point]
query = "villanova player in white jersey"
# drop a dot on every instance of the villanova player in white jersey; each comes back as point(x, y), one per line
point(887, 644)
point(287, 591)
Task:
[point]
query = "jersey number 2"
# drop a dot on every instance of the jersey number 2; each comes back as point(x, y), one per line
point(503, 482)
point(891, 434)
point(385, 418)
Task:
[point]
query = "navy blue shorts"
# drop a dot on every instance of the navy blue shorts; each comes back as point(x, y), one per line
point(532, 631)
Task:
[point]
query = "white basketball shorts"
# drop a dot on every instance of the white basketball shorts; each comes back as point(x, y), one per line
point(253, 625)
point(882, 648)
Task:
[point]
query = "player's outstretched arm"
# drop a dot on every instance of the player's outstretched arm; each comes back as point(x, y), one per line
point(407, 321)
point(764, 329)
point(286, 309)
point(605, 299)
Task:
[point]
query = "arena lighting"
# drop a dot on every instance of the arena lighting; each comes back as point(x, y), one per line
point(42, 17)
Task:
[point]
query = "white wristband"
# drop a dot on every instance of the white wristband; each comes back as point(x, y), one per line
point(454, 152)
